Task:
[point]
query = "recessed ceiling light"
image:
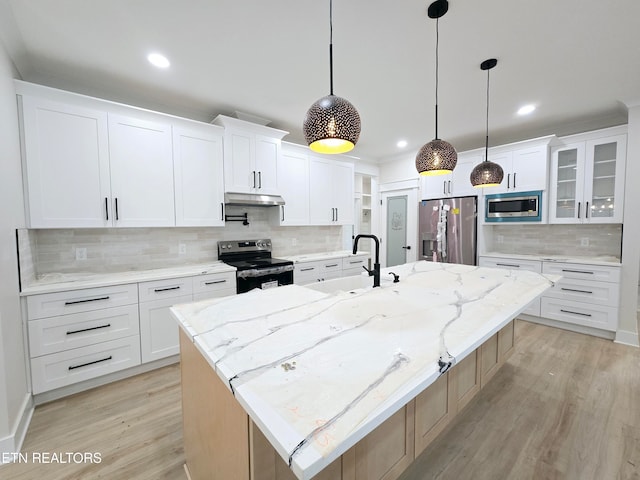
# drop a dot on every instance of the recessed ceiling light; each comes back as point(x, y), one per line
point(401, 143)
point(526, 109)
point(158, 60)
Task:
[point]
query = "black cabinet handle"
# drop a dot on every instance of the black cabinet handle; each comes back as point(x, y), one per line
point(579, 205)
point(74, 302)
point(214, 282)
point(357, 261)
point(282, 212)
point(508, 180)
point(508, 265)
point(449, 186)
point(577, 271)
point(307, 269)
point(73, 367)
point(259, 179)
point(117, 216)
point(586, 211)
point(444, 187)
point(254, 179)
point(71, 332)
point(106, 208)
point(222, 211)
point(157, 290)
point(514, 179)
point(575, 313)
point(336, 214)
point(331, 265)
point(575, 290)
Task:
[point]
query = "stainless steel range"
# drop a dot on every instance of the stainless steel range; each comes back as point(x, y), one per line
point(256, 267)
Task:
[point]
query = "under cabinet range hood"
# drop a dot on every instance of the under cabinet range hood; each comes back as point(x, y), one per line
point(252, 199)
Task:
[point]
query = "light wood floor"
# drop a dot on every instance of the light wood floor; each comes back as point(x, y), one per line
point(566, 406)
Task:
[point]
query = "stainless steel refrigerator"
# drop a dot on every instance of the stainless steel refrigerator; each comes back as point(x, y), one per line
point(447, 230)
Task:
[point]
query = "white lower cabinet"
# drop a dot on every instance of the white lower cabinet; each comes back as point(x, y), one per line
point(586, 295)
point(86, 333)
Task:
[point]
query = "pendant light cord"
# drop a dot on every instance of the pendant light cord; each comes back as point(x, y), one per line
point(486, 142)
point(331, 46)
point(437, 41)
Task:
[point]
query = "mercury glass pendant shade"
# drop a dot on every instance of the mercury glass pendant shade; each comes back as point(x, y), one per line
point(436, 157)
point(487, 173)
point(332, 124)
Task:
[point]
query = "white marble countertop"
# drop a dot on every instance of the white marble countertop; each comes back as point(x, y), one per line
point(312, 257)
point(60, 282)
point(599, 260)
point(319, 371)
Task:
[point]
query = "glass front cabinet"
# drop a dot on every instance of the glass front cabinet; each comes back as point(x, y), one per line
point(587, 181)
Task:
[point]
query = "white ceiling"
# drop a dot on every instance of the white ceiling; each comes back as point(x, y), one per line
point(577, 60)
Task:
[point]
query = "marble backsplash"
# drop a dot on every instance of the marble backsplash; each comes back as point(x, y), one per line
point(112, 250)
point(570, 240)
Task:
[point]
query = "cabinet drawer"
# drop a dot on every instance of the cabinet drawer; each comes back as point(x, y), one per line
point(601, 293)
point(590, 315)
point(599, 273)
point(84, 300)
point(333, 265)
point(214, 282)
point(353, 265)
point(307, 268)
point(511, 264)
point(55, 334)
point(71, 366)
point(155, 290)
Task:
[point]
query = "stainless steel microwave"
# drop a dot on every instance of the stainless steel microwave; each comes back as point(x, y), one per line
point(514, 207)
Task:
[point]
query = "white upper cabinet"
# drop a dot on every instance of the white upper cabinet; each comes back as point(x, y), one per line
point(198, 175)
point(525, 167)
point(587, 178)
point(293, 175)
point(455, 184)
point(251, 154)
point(67, 173)
point(331, 192)
point(141, 161)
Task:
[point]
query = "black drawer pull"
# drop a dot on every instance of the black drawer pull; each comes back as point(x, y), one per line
point(357, 261)
point(214, 282)
point(158, 290)
point(331, 265)
point(576, 313)
point(74, 302)
point(73, 367)
point(577, 271)
point(71, 332)
point(307, 269)
point(508, 265)
point(575, 290)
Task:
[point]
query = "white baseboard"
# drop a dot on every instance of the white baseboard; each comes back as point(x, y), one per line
point(13, 442)
point(627, 338)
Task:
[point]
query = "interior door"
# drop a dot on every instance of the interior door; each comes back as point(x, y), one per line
point(397, 230)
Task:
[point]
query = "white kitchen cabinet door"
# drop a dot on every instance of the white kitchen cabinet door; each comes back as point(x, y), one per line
point(435, 186)
point(331, 186)
point(266, 165)
point(159, 329)
point(505, 160)
point(530, 169)
point(293, 173)
point(198, 175)
point(587, 181)
point(454, 184)
point(66, 165)
point(239, 167)
point(141, 160)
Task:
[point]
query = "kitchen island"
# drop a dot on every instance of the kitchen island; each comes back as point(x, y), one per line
point(353, 384)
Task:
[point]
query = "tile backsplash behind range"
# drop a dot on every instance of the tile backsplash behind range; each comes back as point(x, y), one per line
point(121, 249)
point(570, 240)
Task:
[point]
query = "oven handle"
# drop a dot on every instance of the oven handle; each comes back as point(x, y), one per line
point(262, 272)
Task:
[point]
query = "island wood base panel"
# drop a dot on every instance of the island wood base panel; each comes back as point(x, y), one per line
point(221, 442)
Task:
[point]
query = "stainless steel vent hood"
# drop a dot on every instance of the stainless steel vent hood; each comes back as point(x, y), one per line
point(253, 199)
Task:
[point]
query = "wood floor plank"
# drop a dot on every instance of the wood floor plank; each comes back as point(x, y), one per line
point(565, 406)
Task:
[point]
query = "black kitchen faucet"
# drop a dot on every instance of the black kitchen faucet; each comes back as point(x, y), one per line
point(375, 272)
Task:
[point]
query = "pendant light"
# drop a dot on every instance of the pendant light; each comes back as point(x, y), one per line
point(332, 124)
point(486, 173)
point(436, 157)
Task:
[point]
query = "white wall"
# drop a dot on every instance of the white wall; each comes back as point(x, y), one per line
point(628, 324)
point(14, 395)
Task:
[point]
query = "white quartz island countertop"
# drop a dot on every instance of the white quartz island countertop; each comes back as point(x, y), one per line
point(316, 372)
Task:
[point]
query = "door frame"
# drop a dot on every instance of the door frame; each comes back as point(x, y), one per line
point(412, 220)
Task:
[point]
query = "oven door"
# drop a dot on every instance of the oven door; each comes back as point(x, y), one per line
point(264, 278)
